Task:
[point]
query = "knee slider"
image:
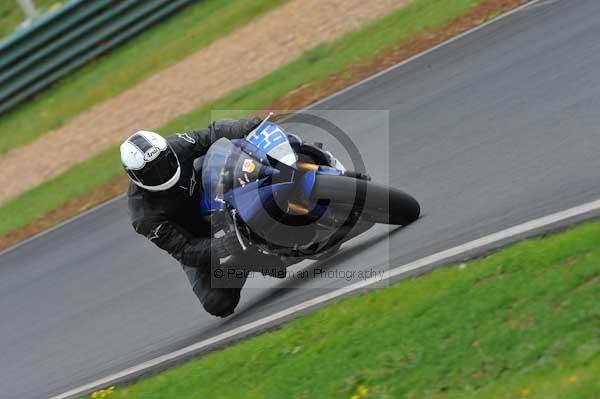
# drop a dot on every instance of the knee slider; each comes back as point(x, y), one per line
point(222, 302)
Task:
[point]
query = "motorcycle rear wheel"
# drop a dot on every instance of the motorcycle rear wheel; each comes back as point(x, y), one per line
point(378, 203)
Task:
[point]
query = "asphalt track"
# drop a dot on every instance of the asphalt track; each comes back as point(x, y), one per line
point(494, 129)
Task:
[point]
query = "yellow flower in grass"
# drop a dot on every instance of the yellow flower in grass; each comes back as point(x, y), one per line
point(103, 393)
point(573, 379)
point(525, 392)
point(361, 392)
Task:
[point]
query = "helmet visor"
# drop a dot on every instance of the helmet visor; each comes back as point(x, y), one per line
point(158, 171)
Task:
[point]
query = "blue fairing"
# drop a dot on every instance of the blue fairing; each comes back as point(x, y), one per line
point(307, 183)
point(252, 149)
point(328, 170)
point(228, 165)
point(250, 201)
point(234, 173)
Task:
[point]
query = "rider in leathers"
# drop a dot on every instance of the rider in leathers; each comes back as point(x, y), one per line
point(164, 201)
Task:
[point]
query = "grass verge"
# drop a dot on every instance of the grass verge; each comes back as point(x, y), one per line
point(11, 15)
point(79, 180)
point(195, 27)
point(420, 25)
point(523, 322)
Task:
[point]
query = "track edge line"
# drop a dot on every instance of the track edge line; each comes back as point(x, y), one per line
point(236, 333)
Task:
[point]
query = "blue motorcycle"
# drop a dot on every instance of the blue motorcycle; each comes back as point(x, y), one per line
point(284, 197)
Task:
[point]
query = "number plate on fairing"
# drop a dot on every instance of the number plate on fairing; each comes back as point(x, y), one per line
point(272, 139)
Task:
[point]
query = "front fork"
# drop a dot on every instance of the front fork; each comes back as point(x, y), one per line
point(237, 230)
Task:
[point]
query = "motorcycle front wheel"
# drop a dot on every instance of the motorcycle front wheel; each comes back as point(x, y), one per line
point(376, 202)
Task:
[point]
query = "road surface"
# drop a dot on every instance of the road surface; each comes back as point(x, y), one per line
point(494, 129)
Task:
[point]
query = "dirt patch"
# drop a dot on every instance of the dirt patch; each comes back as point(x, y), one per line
point(589, 282)
point(296, 99)
point(521, 324)
point(568, 262)
point(236, 60)
point(490, 278)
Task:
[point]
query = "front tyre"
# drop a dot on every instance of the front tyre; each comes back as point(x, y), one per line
point(379, 203)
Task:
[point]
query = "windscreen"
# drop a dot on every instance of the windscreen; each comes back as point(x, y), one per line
point(216, 178)
point(226, 167)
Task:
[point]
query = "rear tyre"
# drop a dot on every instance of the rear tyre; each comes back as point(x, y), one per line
point(378, 203)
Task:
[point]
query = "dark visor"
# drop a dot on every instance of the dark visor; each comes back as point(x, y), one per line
point(158, 171)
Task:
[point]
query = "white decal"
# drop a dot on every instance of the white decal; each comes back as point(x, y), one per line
point(192, 183)
point(151, 154)
point(154, 233)
point(186, 137)
point(248, 166)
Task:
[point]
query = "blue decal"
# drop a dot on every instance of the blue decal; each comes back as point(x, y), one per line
point(328, 170)
point(307, 183)
point(268, 137)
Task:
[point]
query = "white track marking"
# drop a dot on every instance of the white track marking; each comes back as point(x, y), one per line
point(286, 314)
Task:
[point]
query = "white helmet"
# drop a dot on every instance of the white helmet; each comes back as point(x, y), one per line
point(150, 162)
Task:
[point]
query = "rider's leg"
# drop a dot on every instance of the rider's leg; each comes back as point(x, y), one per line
point(218, 293)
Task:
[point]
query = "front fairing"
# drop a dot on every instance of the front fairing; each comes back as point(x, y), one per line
point(227, 167)
point(238, 177)
point(231, 165)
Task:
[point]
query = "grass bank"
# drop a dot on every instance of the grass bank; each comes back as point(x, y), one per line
point(395, 30)
point(521, 323)
point(78, 181)
point(195, 27)
point(11, 15)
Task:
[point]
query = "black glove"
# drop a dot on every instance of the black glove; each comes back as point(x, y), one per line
point(227, 245)
point(233, 129)
point(251, 124)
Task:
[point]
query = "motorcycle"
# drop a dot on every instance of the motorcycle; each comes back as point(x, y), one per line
point(284, 197)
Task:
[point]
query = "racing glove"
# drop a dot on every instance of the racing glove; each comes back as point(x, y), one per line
point(233, 129)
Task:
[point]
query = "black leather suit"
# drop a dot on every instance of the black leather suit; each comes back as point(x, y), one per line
point(172, 221)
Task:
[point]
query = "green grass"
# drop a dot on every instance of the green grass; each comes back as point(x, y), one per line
point(327, 59)
point(400, 26)
point(523, 322)
point(77, 181)
point(193, 28)
point(11, 15)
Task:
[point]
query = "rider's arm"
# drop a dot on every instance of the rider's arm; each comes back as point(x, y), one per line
point(198, 141)
point(151, 222)
point(232, 129)
point(188, 250)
